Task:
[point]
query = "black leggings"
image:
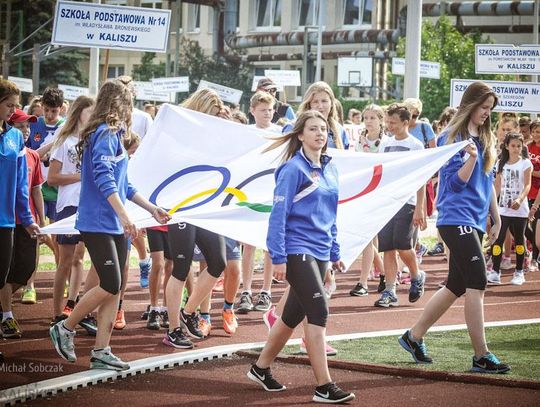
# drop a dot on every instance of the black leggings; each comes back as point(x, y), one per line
point(467, 267)
point(182, 240)
point(517, 229)
point(108, 254)
point(307, 297)
point(6, 251)
point(530, 232)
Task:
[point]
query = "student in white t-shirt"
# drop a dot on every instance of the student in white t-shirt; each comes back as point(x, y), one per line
point(396, 237)
point(261, 106)
point(512, 184)
point(65, 173)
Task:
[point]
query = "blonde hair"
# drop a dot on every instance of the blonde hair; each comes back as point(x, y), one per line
point(380, 115)
point(8, 89)
point(203, 100)
point(291, 138)
point(114, 104)
point(240, 117)
point(413, 104)
point(71, 126)
point(474, 96)
point(261, 97)
point(332, 120)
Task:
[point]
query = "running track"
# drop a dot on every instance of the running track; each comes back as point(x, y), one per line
point(199, 384)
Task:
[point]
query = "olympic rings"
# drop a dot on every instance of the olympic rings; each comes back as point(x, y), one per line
point(242, 197)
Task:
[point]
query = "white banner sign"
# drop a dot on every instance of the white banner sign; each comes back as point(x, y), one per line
point(226, 94)
point(175, 84)
point(519, 97)
point(355, 71)
point(24, 84)
point(501, 59)
point(353, 133)
point(428, 69)
point(284, 78)
point(256, 80)
point(73, 92)
point(221, 180)
point(145, 91)
point(81, 24)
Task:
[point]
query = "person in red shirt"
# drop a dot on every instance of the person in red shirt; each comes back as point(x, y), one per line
point(23, 262)
point(534, 156)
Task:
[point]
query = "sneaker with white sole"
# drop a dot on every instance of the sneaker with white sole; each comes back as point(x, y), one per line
point(330, 393)
point(62, 340)
point(493, 277)
point(489, 363)
point(330, 351)
point(264, 378)
point(518, 278)
point(105, 359)
point(506, 263)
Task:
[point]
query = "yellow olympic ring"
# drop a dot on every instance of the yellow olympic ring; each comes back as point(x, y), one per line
point(242, 197)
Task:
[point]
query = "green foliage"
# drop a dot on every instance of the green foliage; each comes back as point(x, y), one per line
point(58, 69)
point(230, 71)
point(443, 43)
point(148, 69)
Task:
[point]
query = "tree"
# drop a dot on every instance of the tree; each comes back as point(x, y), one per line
point(147, 69)
point(59, 69)
point(443, 43)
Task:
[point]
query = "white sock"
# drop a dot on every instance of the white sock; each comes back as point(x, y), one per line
point(144, 262)
point(6, 315)
point(155, 309)
point(163, 308)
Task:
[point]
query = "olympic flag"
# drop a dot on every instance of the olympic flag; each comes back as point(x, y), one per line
point(213, 173)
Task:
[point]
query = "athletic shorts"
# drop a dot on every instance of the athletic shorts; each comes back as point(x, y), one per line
point(50, 210)
point(23, 260)
point(158, 241)
point(67, 239)
point(233, 251)
point(398, 233)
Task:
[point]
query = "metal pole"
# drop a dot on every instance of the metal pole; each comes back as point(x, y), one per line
point(305, 60)
point(411, 88)
point(322, 9)
point(178, 6)
point(535, 20)
point(6, 55)
point(35, 69)
point(93, 75)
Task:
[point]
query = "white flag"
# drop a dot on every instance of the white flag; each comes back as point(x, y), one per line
point(212, 173)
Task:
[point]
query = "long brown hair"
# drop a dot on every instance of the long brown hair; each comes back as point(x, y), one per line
point(71, 126)
point(203, 100)
point(333, 120)
point(114, 104)
point(293, 142)
point(474, 96)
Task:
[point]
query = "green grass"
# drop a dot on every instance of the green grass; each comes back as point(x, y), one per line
point(451, 351)
point(429, 241)
point(44, 250)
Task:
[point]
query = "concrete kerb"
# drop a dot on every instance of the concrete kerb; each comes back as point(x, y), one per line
point(46, 388)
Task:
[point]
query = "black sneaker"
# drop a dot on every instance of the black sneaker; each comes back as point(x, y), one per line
point(144, 315)
point(417, 287)
point(388, 299)
point(330, 393)
point(164, 319)
point(264, 302)
point(153, 321)
point(382, 284)
point(11, 329)
point(89, 324)
point(437, 249)
point(416, 349)
point(358, 291)
point(177, 339)
point(489, 363)
point(264, 378)
point(245, 304)
point(191, 323)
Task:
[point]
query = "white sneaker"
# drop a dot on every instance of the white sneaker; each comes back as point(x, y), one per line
point(493, 277)
point(506, 263)
point(533, 266)
point(518, 278)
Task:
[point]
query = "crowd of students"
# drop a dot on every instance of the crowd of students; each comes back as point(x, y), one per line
point(76, 162)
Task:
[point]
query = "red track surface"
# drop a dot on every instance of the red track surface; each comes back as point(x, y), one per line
point(348, 314)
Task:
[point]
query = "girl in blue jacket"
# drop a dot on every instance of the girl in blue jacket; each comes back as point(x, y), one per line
point(103, 221)
point(466, 197)
point(301, 241)
point(13, 185)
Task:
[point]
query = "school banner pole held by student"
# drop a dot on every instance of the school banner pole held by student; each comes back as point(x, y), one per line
point(212, 173)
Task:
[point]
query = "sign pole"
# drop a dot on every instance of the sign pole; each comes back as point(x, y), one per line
point(411, 87)
point(536, 16)
point(93, 75)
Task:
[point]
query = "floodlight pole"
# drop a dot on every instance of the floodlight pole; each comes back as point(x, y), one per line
point(322, 4)
point(411, 88)
point(93, 75)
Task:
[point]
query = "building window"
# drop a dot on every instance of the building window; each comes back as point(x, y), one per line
point(115, 71)
point(268, 13)
point(151, 3)
point(357, 12)
point(194, 17)
point(308, 12)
